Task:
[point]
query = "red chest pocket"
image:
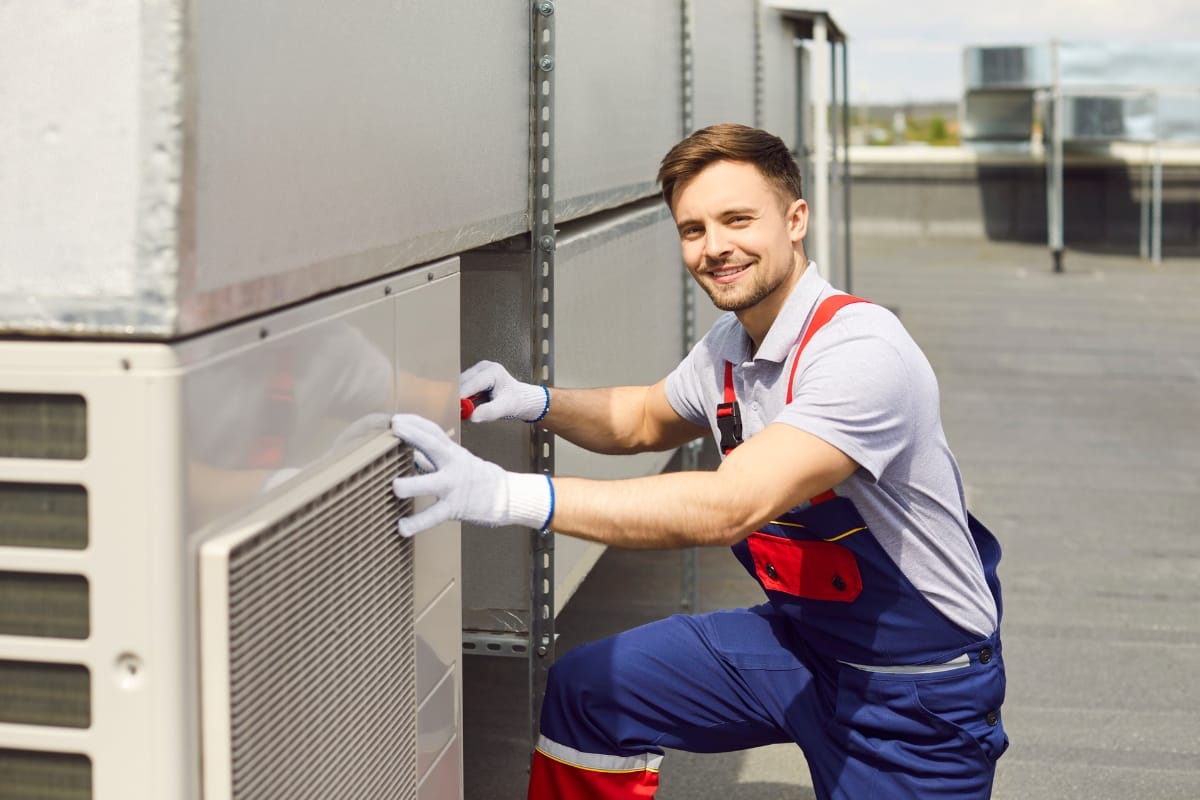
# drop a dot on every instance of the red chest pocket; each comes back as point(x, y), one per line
point(807, 569)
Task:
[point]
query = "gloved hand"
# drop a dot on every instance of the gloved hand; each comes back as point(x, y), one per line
point(467, 488)
point(509, 398)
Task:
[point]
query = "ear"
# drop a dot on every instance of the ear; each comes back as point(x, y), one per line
point(797, 220)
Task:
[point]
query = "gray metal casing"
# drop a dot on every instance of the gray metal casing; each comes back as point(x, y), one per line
point(618, 101)
point(618, 321)
point(780, 77)
point(210, 182)
point(1014, 67)
point(998, 114)
point(724, 60)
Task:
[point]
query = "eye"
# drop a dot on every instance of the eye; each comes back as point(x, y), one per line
point(691, 232)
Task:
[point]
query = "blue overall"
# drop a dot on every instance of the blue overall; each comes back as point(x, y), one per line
point(886, 696)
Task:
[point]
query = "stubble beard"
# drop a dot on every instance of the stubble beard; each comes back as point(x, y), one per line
point(758, 292)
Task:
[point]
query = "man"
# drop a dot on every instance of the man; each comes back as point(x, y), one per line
point(878, 650)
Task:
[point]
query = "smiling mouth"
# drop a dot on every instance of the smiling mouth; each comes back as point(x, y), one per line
point(727, 272)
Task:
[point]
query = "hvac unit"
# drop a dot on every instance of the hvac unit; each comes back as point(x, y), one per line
point(202, 590)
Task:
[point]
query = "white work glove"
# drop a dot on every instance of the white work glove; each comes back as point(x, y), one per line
point(467, 488)
point(503, 396)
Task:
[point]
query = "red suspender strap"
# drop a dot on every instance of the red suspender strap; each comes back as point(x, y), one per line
point(730, 397)
point(825, 311)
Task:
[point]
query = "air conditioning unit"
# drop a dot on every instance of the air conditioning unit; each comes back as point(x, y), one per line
point(202, 591)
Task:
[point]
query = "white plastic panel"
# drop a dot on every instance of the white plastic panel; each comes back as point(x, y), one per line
point(723, 57)
point(615, 115)
point(153, 477)
point(444, 780)
point(438, 631)
point(437, 722)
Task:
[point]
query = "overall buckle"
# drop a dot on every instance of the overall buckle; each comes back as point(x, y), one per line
point(729, 422)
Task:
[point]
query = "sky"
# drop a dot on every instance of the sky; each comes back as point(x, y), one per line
point(912, 50)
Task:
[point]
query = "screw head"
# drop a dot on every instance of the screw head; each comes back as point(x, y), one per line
point(546, 243)
point(546, 8)
point(546, 64)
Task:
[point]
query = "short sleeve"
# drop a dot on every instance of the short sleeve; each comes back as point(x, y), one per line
point(684, 385)
point(853, 390)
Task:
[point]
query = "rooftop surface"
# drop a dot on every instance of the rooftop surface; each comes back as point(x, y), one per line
point(1072, 402)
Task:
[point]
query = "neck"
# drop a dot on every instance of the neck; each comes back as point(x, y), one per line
point(758, 319)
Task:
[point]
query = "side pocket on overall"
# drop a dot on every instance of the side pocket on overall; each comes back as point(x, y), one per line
point(811, 570)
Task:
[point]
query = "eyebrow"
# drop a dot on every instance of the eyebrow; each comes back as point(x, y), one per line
point(683, 223)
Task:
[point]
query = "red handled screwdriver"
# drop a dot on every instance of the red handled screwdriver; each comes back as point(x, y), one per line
point(467, 405)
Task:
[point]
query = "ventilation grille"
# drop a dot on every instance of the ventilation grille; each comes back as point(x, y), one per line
point(322, 676)
point(43, 426)
point(33, 775)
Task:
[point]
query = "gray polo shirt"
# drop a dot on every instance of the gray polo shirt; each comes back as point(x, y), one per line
point(864, 387)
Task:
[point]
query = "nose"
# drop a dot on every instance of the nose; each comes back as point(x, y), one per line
point(716, 246)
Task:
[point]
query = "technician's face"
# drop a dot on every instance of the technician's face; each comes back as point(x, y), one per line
point(738, 236)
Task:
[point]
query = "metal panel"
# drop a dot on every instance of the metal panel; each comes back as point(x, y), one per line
point(297, 148)
point(724, 55)
point(618, 275)
point(89, 178)
point(780, 93)
point(617, 101)
point(618, 317)
point(1019, 67)
point(397, 133)
point(998, 114)
point(496, 321)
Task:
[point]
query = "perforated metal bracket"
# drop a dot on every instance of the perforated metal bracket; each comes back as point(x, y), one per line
point(541, 263)
point(513, 645)
point(689, 457)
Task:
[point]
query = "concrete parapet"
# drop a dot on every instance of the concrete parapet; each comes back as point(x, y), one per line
point(932, 192)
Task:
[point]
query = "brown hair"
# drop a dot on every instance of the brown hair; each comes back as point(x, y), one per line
point(731, 142)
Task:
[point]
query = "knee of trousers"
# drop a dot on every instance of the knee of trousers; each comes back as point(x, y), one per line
point(579, 708)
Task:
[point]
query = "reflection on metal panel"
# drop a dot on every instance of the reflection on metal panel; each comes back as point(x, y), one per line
point(617, 101)
point(265, 399)
point(723, 53)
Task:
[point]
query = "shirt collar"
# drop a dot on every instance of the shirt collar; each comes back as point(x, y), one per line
point(788, 325)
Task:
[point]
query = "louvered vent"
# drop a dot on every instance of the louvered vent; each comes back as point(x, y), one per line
point(321, 685)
